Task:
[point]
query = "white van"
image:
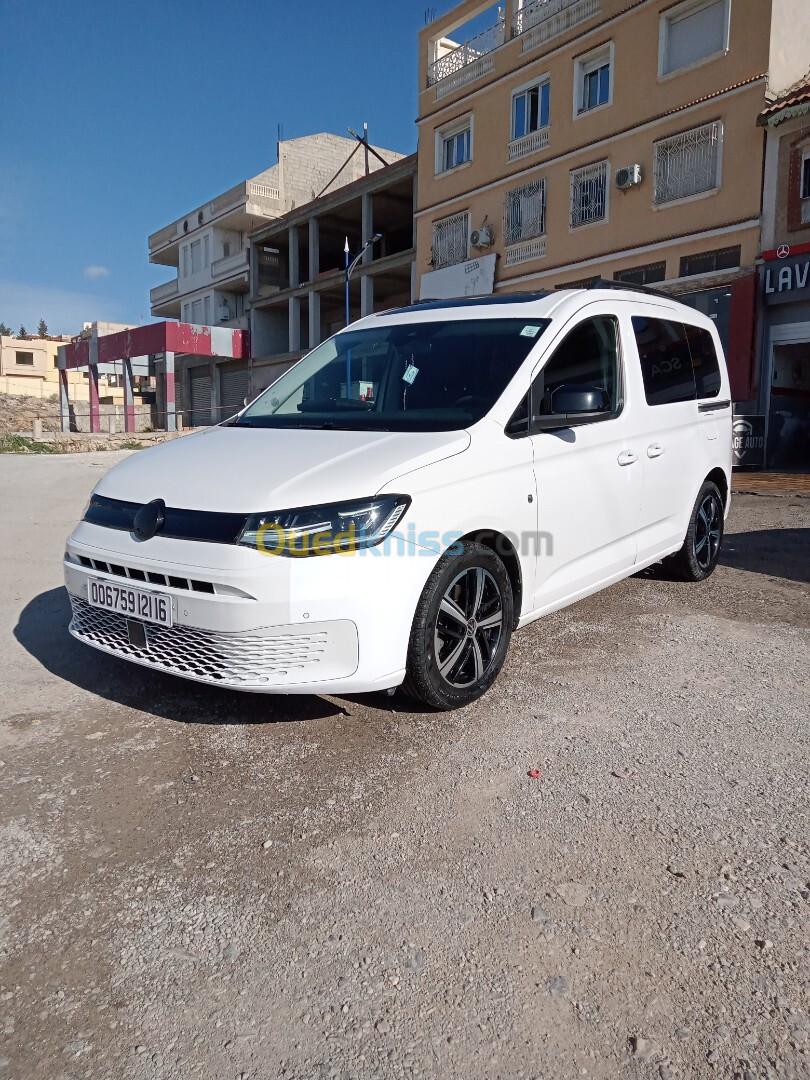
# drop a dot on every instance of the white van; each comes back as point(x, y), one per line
point(411, 492)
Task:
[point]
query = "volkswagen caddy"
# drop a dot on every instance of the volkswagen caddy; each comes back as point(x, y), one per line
point(411, 492)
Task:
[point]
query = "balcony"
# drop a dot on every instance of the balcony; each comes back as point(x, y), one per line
point(230, 264)
point(529, 144)
point(466, 63)
point(539, 21)
point(161, 293)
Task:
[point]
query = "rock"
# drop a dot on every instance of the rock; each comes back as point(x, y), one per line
point(383, 1027)
point(643, 1049)
point(539, 914)
point(558, 986)
point(713, 1056)
point(140, 1049)
point(267, 844)
point(764, 944)
point(230, 952)
point(415, 961)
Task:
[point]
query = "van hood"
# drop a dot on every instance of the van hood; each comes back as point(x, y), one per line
point(252, 470)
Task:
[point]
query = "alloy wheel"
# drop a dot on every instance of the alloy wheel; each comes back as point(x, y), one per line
point(707, 532)
point(469, 624)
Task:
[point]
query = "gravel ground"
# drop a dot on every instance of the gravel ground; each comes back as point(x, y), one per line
point(197, 883)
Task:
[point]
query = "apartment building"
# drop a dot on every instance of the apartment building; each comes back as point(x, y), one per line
point(566, 140)
point(780, 424)
point(208, 246)
point(298, 279)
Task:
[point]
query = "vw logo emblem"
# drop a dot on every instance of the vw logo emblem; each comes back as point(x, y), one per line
point(149, 519)
point(783, 251)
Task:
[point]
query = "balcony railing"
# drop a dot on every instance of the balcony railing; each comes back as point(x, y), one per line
point(230, 264)
point(529, 144)
point(164, 292)
point(263, 191)
point(542, 20)
point(458, 61)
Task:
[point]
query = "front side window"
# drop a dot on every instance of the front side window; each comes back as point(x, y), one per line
point(704, 362)
point(530, 110)
point(589, 194)
point(693, 32)
point(666, 364)
point(432, 376)
point(587, 357)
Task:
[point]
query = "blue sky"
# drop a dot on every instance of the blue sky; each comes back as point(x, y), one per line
point(117, 118)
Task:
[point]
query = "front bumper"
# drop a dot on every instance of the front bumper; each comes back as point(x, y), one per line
point(331, 624)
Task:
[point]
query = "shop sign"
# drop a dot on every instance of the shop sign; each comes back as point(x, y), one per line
point(748, 440)
point(786, 276)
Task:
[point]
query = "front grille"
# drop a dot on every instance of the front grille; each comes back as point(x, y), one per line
point(174, 582)
point(239, 660)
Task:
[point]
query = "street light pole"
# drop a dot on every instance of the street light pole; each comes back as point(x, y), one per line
point(348, 273)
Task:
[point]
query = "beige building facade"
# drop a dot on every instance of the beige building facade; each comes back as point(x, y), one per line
point(568, 140)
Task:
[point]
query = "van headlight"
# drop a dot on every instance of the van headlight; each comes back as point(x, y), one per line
point(324, 530)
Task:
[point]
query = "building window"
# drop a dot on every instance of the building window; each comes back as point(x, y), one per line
point(206, 253)
point(197, 312)
point(589, 194)
point(451, 240)
point(806, 175)
point(185, 261)
point(524, 212)
point(196, 256)
point(709, 262)
point(643, 275)
point(691, 33)
point(593, 80)
point(454, 145)
point(25, 358)
point(687, 164)
point(530, 110)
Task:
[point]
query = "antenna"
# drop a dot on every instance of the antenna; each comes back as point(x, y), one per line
point(430, 15)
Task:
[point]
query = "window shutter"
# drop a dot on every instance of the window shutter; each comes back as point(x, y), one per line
point(794, 200)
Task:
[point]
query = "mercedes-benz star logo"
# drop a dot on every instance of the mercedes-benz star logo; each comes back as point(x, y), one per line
point(783, 251)
point(149, 519)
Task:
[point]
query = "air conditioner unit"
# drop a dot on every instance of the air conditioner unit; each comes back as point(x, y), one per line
point(629, 177)
point(483, 237)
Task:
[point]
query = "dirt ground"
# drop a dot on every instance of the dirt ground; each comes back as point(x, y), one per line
point(196, 883)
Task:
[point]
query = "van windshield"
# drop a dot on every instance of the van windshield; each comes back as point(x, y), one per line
point(431, 376)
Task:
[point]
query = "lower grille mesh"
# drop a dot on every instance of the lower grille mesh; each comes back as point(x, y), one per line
point(241, 660)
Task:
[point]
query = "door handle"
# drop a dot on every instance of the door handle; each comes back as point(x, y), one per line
point(655, 450)
point(627, 457)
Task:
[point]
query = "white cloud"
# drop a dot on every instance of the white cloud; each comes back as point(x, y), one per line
point(96, 272)
point(64, 311)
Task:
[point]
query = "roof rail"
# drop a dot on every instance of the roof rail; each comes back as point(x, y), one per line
point(604, 283)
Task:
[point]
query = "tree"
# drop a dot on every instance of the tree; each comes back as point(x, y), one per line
point(5, 331)
point(22, 333)
point(42, 329)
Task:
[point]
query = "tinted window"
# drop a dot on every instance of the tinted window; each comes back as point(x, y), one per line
point(704, 362)
point(588, 356)
point(666, 364)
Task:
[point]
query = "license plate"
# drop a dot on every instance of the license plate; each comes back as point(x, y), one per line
point(135, 603)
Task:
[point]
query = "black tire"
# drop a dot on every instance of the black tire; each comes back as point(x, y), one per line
point(452, 658)
point(701, 549)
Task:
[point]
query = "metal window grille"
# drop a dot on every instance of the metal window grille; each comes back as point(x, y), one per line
point(524, 212)
point(451, 238)
point(643, 275)
point(589, 194)
point(708, 262)
point(687, 164)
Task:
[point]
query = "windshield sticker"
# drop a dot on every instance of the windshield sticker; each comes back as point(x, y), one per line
point(530, 331)
point(410, 374)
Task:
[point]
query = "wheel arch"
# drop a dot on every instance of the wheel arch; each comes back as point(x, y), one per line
point(505, 550)
point(717, 476)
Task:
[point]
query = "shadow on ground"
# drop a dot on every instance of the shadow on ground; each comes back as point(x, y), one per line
point(779, 553)
point(42, 631)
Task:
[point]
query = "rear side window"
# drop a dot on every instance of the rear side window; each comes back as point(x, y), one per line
point(666, 363)
point(704, 362)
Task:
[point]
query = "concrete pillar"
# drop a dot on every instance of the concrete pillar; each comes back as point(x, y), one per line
point(314, 319)
point(293, 261)
point(367, 226)
point(129, 400)
point(294, 316)
point(314, 248)
point(215, 394)
point(93, 384)
point(366, 295)
point(64, 397)
point(414, 283)
point(253, 277)
point(171, 410)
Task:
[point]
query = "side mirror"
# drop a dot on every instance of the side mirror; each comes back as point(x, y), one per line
point(573, 403)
